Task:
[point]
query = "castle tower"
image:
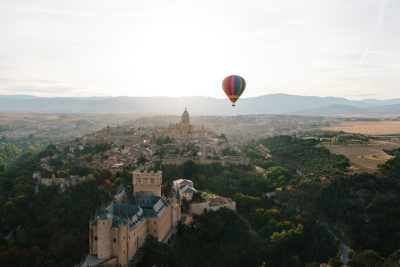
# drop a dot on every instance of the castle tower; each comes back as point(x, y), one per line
point(147, 181)
point(104, 234)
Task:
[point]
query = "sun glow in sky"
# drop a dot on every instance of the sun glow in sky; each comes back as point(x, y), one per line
point(339, 48)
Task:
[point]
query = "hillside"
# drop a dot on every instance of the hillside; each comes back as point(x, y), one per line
point(200, 105)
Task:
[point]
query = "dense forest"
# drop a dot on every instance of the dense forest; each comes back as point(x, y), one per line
point(49, 227)
point(285, 237)
point(364, 206)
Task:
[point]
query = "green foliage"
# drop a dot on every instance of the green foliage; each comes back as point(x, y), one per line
point(157, 254)
point(244, 203)
point(340, 201)
point(142, 160)
point(264, 163)
point(226, 238)
point(277, 176)
point(391, 168)
point(224, 181)
point(305, 154)
point(229, 152)
point(102, 147)
point(161, 141)
point(86, 158)
point(53, 227)
point(368, 258)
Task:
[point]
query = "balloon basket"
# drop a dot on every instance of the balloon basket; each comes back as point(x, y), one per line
point(233, 105)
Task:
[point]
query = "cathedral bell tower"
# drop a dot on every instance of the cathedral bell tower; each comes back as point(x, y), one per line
point(185, 117)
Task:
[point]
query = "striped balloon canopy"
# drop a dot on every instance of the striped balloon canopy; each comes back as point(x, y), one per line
point(233, 86)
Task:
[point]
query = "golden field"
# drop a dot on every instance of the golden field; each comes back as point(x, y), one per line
point(367, 128)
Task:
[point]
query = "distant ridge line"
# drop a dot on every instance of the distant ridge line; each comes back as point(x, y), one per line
point(202, 105)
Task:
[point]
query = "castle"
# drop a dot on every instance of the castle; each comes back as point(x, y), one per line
point(183, 130)
point(118, 231)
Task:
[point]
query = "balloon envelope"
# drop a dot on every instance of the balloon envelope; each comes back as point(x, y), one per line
point(233, 86)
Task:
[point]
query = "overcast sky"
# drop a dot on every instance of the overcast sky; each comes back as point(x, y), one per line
point(344, 48)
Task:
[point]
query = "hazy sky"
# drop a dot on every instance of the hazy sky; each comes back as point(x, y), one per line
point(345, 48)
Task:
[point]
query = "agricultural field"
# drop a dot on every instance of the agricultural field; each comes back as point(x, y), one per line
point(365, 158)
point(368, 128)
point(28, 119)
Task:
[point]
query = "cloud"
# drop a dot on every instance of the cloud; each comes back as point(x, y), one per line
point(27, 81)
point(381, 11)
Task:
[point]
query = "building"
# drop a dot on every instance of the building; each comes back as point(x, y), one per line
point(183, 130)
point(185, 188)
point(118, 231)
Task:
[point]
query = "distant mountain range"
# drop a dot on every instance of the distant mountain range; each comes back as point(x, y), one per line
point(200, 105)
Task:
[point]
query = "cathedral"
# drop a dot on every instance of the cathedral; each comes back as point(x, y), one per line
point(183, 130)
point(118, 231)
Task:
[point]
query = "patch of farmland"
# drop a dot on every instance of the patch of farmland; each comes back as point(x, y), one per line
point(365, 158)
point(367, 128)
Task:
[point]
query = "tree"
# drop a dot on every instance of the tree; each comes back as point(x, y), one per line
point(104, 175)
point(154, 252)
point(102, 147)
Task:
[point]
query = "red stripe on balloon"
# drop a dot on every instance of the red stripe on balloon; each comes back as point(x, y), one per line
point(232, 85)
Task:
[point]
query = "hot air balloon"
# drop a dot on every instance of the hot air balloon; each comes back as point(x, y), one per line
point(233, 86)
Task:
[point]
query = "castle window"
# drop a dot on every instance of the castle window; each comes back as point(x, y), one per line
point(95, 238)
point(154, 222)
point(114, 240)
point(155, 231)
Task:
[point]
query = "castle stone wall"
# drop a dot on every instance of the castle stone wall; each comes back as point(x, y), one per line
point(198, 208)
point(147, 181)
point(104, 239)
point(223, 162)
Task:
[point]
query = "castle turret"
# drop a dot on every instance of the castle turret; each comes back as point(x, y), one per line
point(120, 189)
point(171, 194)
point(104, 234)
point(178, 196)
point(103, 212)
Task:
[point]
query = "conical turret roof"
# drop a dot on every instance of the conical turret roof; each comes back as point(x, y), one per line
point(103, 212)
point(120, 189)
point(171, 193)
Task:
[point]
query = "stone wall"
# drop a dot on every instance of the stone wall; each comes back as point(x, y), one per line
point(147, 181)
point(223, 162)
point(198, 208)
point(51, 181)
